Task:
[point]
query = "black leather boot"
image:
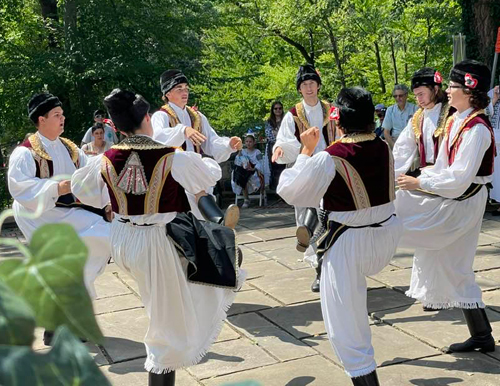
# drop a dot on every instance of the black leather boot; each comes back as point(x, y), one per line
point(366, 380)
point(480, 331)
point(47, 337)
point(211, 212)
point(167, 379)
point(315, 284)
point(306, 230)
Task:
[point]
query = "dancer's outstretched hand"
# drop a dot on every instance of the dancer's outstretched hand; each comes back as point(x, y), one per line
point(278, 153)
point(408, 183)
point(309, 139)
point(235, 143)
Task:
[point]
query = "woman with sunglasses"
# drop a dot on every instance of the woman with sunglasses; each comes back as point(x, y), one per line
point(273, 170)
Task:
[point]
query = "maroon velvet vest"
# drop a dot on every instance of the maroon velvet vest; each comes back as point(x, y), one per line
point(477, 117)
point(43, 162)
point(301, 123)
point(364, 174)
point(138, 175)
point(437, 137)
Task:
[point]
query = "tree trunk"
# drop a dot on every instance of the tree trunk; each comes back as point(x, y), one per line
point(480, 22)
point(394, 64)
point(485, 28)
point(333, 42)
point(379, 68)
point(70, 25)
point(49, 13)
point(426, 49)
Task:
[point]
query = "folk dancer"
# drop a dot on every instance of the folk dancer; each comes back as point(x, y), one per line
point(310, 112)
point(32, 168)
point(147, 183)
point(179, 125)
point(418, 145)
point(354, 180)
point(442, 209)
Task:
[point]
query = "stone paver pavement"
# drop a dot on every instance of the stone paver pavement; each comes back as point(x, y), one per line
point(275, 333)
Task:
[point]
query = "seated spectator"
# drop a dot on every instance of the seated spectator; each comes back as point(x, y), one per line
point(98, 145)
point(109, 132)
point(380, 113)
point(248, 174)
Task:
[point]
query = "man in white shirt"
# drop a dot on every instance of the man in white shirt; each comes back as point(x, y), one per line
point(442, 210)
point(311, 112)
point(178, 125)
point(397, 115)
point(32, 177)
point(109, 133)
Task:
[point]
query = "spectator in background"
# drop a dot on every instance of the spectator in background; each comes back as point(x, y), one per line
point(272, 171)
point(398, 115)
point(380, 113)
point(109, 132)
point(248, 174)
point(98, 145)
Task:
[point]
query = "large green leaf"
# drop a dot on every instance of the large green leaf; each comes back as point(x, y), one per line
point(17, 319)
point(68, 363)
point(51, 281)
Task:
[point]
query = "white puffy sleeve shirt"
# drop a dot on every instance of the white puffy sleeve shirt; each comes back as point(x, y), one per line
point(32, 192)
point(451, 181)
point(215, 146)
point(287, 140)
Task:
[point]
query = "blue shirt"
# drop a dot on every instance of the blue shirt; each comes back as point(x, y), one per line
point(396, 119)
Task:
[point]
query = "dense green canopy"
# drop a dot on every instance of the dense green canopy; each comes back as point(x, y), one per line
point(239, 55)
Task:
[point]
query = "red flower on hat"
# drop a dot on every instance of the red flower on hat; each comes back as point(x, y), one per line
point(470, 81)
point(110, 123)
point(334, 114)
point(438, 78)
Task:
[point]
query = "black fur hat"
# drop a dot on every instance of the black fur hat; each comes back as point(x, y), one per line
point(355, 108)
point(126, 109)
point(171, 78)
point(471, 74)
point(426, 77)
point(41, 104)
point(307, 72)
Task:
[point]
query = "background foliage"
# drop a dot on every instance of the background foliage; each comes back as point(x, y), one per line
point(240, 55)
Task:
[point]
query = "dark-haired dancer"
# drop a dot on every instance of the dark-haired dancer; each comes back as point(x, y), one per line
point(418, 145)
point(32, 168)
point(354, 178)
point(178, 125)
point(442, 209)
point(147, 182)
point(308, 113)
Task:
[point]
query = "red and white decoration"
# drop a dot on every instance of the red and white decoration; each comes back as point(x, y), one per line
point(470, 81)
point(438, 78)
point(334, 114)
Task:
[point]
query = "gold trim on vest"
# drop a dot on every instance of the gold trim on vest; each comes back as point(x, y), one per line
point(353, 181)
